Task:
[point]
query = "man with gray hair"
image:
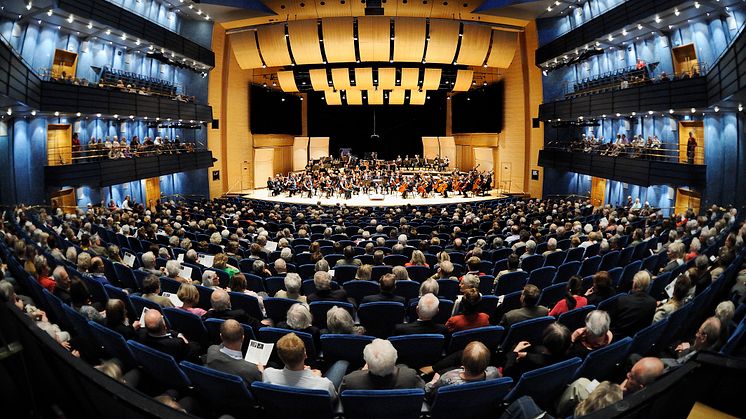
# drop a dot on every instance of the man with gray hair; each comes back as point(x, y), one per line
point(62, 281)
point(427, 309)
point(594, 335)
point(173, 268)
point(381, 373)
point(221, 309)
point(635, 310)
point(281, 267)
point(148, 264)
point(324, 292)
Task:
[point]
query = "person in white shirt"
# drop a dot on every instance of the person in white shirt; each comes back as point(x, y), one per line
point(292, 353)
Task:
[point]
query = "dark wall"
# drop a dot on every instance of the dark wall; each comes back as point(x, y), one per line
point(400, 128)
point(478, 110)
point(274, 112)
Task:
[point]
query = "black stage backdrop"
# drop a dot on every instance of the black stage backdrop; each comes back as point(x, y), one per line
point(400, 128)
point(478, 110)
point(274, 112)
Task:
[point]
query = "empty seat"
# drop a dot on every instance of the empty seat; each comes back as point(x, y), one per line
point(282, 402)
point(491, 336)
point(545, 384)
point(382, 404)
point(417, 351)
point(219, 392)
point(379, 318)
point(475, 400)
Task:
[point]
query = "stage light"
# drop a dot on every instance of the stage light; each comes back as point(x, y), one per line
point(50, 12)
point(78, 114)
point(603, 116)
point(108, 31)
point(696, 4)
point(676, 12)
point(10, 111)
point(639, 26)
point(650, 112)
point(56, 113)
point(98, 115)
point(70, 19)
point(624, 32)
point(693, 110)
point(634, 113)
point(740, 107)
point(33, 113)
point(29, 6)
point(657, 19)
point(618, 114)
point(717, 109)
point(670, 111)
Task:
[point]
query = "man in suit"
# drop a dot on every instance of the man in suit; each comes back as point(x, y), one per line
point(322, 280)
point(227, 357)
point(427, 309)
point(635, 310)
point(529, 309)
point(388, 285)
point(221, 309)
point(157, 336)
point(382, 373)
point(151, 290)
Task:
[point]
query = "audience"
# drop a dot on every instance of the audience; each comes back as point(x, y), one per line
point(228, 357)
point(380, 371)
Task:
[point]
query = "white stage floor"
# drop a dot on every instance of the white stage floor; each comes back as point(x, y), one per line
point(364, 200)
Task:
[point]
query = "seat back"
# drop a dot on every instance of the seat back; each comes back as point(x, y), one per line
point(677, 322)
point(273, 334)
point(575, 254)
point(545, 384)
point(223, 392)
point(379, 318)
point(383, 404)
point(417, 351)
point(448, 289)
point(277, 308)
point(490, 336)
point(589, 266)
point(555, 258)
point(117, 293)
point(319, 309)
point(418, 273)
point(379, 271)
point(625, 282)
point(488, 305)
point(159, 366)
point(345, 347)
point(529, 330)
point(575, 319)
point(736, 340)
point(248, 303)
point(608, 304)
point(293, 402)
point(187, 323)
point(601, 363)
point(112, 344)
point(645, 339)
point(609, 261)
point(407, 289)
point(511, 282)
point(473, 400)
point(529, 263)
point(657, 288)
point(357, 290)
point(551, 294)
point(273, 284)
point(213, 332)
point(542, 277)
point(140, 303)
point(625, 256)
point(344, 273)
point(565, 271)
point(395, 260)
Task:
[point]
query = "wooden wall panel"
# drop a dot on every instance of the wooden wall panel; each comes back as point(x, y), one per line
point(273, 45)
point(474, 44)
point(339, 45)
point(341, 78)
point(374, 35)
point(319, 79)
point(273, 140)
point(417, 97)
point(396, 97)
point(431, 79)
point(333, 98)
point(304, 41)
point(409, 40)
point(354, 97)
point(463, 80)
point(245, 49)
point(386, 78)
point(375, 97)
point(410, 78)
point(503, 49)
point(287, 81)
point(441, 49)
point(364, 78)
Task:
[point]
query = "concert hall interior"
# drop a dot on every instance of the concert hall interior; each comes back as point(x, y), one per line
point(391, 124)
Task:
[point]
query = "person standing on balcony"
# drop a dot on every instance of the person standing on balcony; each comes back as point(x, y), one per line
point(691, 148)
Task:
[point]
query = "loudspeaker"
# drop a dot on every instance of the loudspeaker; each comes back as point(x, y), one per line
point(536, 123)
point(215, 124)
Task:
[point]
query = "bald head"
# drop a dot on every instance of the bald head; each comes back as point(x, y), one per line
point(644, 372)
point(220, 300)
point(231, 333)
point(154, 322)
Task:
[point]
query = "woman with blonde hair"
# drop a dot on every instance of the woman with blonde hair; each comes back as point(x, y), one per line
point(418, 259)
point(189, 296)
point(364, 272)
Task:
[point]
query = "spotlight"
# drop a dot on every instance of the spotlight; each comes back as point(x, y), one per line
point(670, 111)
point(56, 113)
point(634, 113)
point(50, 12)
point(696, 4)
point(98, 115)
point(108, 31)
point(90, 25)
point(657, 19)
point(77, 114)
point(740, 107)
point(33, 113)
point(618, 114)
point(70, 19)
point(29, 6)
point(693, 110)
point(10, 111)
point(717, 109)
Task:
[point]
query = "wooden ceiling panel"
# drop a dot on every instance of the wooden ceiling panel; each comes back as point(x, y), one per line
point(245, 49)
point(304, 41)
point(417, 97)
point(431, 79)
point(319, 80)
point(396, 97)
point(375, 97)
point(354, 97)
point(374, 35)
point(339, 43)
point(410, 78)
point(333, 9)
point(273, 45)
point(463, 80)
point(474, 44)
point(364, 78)
point(333, 98)
point(503, 49)
point(409, 40)
point(386, 78)
point(441, 49)
point(341, 78)
point(287, 81)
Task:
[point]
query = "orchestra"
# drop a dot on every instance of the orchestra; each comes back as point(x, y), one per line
point(407, 177)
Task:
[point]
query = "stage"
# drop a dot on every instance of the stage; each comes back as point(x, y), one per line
point(364, 200)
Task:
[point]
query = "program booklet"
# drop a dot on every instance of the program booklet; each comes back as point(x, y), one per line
point(259, 352)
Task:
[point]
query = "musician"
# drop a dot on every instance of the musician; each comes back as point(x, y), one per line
point(308, 186)
point(271, 186)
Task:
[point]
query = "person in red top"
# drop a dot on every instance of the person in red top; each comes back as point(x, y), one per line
point(474, 264)
point(44, 278)
point(573, 299)
point(469, 317)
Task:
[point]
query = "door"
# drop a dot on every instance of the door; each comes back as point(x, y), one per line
point(506, 174)
point(152, 191)
point(697, 128)
point(687, 198)
point(685, 60)
point(59, 144)
point(598, 191)
point(65, 199)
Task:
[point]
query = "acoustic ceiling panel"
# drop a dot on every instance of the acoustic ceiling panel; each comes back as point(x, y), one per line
point(333, 98)
point(503, 49)
point(273, 46)
point(339, 44)
point(431, 80)
point(409, 40)
point(396, 97)
point(375, 97)
point(354, 97)
point(341, 78)
point(441, 48)
point(319, 80)
point(410, 78)
point(304, 41)
point(417, 97)
point(374, 37)
point(287, 81)
point(364, 78)
point(245, 50)
point(386, 78)
point(474, 44)
point(463, 80)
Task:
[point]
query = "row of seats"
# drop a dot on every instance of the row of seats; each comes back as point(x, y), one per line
point(609, 80)
point(111, 76)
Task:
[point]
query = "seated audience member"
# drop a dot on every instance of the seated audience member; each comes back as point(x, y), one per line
point(388, 286)
point(701, 277)
point(427, 309)
point(573, 299)
point(349, 257)
point(529, 309)
point(601, 288)
point(635, 310)
point(118, 321)
point(468, 281)
point(43, 274)
point(514, 265)
point(292, 288)
point(96, 271)
point(706, 338)
point(475, 360)
point(173, 268)
point(62, 284)
point(554, 347)
point(221, 309)
point(228, 358)
point(725, 311)
point(400, 273)
point(148, 264)
point(364, 272)
point(189, 297)
point(594, 335)
point(324, 292)
point(444, 271)
point(210, 279)
point(339, 321)
point(292, 353)
point(468, 317)
point(642, 373)
point(151, 289)
point(80, 299)
point(380, 371)
point(429, 286)
point(473, 264)
point(675, 256)
point(418, 259)
point(280, 267)
point(299, 318)
point(551, 247)
point(605, 394)
point(156, 335)
point(680, 294)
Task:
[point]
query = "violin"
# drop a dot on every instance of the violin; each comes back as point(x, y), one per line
point(403, 187)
